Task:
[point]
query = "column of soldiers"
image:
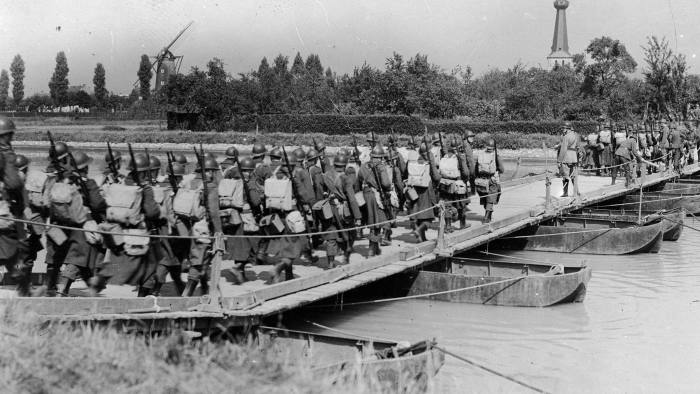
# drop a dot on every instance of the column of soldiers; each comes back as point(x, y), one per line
point(632, 149)
point(142, 220)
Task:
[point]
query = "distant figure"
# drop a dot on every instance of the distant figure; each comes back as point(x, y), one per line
point(568, 158)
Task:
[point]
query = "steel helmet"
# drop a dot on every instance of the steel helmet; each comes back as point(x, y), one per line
point(180, 158)
point(340, 161)
point(371, 138)
point(21, 162)
point(210, 155)
point(470, 133)
point(116, 154)
point(140, 163)
point(436, 138)
point(246, 164)
point(490, 143)
point(378, 152)
point(210, 164)
point(343, 152)
point(154, 163)
point(178, 169)
point(276, 153)
point(299, 155)
point(319, 146)
point(232, 152)
point(81, 160)
point(259, 150)
point(61, 150)
point(6, 125)
point(312, 154)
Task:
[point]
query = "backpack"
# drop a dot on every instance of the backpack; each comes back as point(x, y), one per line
point(124, 204)
point(605, 136)
point(136, 243)
point(231, 193)
point(66, 204)
point(295, 222)
point(188, 204)
point(279, 193)
point(38, 187)
point(449, 167)
point(418, 174)
point(487, 163)
point(592, 140)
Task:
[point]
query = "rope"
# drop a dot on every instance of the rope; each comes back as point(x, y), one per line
point(427, 294)
point(622, 164)
point(550, 235)
point(510, 257)
point(440, 348)
point(682, 224)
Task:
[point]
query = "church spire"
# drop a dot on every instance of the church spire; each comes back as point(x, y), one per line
point(560, 43)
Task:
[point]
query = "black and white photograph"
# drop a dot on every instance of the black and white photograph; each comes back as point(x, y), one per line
point(326, 196)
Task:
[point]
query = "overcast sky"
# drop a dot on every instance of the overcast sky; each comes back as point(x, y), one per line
point(481, 33)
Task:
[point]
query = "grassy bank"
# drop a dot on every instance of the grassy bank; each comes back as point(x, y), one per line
point(77, 359)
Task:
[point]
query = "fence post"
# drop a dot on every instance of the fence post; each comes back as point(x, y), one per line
point(548, 195)
point(441, 229)
point(577, 196)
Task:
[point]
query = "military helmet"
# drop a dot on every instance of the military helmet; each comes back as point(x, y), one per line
point(378, 152)
point(276, 153)
point(210, 164)
point(470, 133)
point(455, 142)
point(436, 138)
point(154, 163)
point(116, 154)
point(81, 160)
point(312, 154)
point(343, 152)
point(392, 154)
point(258, 150)
point(246, 164)
point(21, 162)
point(319, 146)
point(181, 159)
point(210, 155)
point(140, 163)
point(299, 155)
point(61, 150)
point(490, 143)
point(232, 152)
point(371, 137)
point(178, 169)
point(340, 161)
point(6, 125)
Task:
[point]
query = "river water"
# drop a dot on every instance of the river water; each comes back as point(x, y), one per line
point(638, 329)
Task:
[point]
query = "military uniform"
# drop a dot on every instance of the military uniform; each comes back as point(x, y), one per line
point(626, 154)
point(568, 160)
point(488, 167)
point(344, 210)
point(370, 189)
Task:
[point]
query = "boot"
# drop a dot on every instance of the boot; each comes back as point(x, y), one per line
point(487, 217)
point(143, 291)
point(204, 285)
point(95, 285)
point(239, 273)
point(377, 250)
point(189, 288)
point(372, 250)
point(277, 274)
point(65, 289)
point(331, 261)
point(448, 226)
point(346, 258)
point(386, 238)
point(288, 274)
point(156, 289)
point(419, 232)
point(566, 189)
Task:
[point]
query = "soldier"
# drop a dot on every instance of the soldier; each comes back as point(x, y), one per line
point(592, 151)
point(200, 256)
point(676, 143)
point(324, 160)
point(423, 190)
point(627, 154)
point(244, 250)
point(230, 161)
point(306, 198)
point(373, 176)
point(397, 168)
point(275, 157)
point(82, 251)
point(345, 209)
point(315, 172)
point(132, 259)
point(13, 246)
point(291, 243)
point(488, 167)
point(568, 159)
point(113, 164)
point(606, 156)
point(180, 227)
point(22, 165)
point(455, 173)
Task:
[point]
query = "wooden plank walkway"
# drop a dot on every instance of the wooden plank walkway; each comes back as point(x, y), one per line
point(522, 204)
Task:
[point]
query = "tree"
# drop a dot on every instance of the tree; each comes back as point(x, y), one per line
point(99, 82)
point(4, 88)
point(611, 62)
point(266, 82)
point(58, 85)
point(17, 72)
point(38, 102)
point(145, 74)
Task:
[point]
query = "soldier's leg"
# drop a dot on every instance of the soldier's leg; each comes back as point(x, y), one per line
point(69, 275)
point(284, 266)
point(196, 271)
point(332, 249)
point(160, 277)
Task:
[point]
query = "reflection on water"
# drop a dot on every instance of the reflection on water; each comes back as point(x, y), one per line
point(638, 329)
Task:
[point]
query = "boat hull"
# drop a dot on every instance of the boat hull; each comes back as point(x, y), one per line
point(657, 201)
point(520, 290)
point(672, 220)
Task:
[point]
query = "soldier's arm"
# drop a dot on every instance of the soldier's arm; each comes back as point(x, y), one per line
point(434, 172)
point(499, 165)
point(150, 207)
point(255, 195)
point(350, 193)
point(11, 179)
point(98, 205)
point(463, 166)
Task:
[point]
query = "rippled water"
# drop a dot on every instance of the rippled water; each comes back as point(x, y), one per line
point(637, 331)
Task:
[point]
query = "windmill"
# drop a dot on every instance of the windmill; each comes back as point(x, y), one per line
point(165, 63)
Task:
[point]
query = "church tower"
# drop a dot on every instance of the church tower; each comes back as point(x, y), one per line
point(560, 43)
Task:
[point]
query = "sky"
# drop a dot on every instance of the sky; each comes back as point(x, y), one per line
point(483, 34)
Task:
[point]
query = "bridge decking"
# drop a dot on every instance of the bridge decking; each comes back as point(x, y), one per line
point(522, 204)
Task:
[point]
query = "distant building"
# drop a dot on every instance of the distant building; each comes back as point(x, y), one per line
point(560, 43)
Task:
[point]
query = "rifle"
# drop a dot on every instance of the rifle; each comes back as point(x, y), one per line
point(205, 187)
point(112, 165)
point(134, 174)
point(150, 173)
point(55, 163)
point(81, 182)
point(393, 139)
point(320, 156)
point(171, 172)
point(442, 146)
point(295, 192)
point(382, 193)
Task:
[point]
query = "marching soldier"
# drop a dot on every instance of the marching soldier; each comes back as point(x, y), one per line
point(592, 151)
point(12, 234)
point(568, 158)
point(306, 198)
point(113, 164)
point(488, 168)
point(454, 170)
point(627, 154)
point(423, 190)
point(374, 179)
point(606, 156)
point(315, 173)
point(676, 143)
point(200, 256)
point(230, 161)
point(468, 150)
point(180, 227)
